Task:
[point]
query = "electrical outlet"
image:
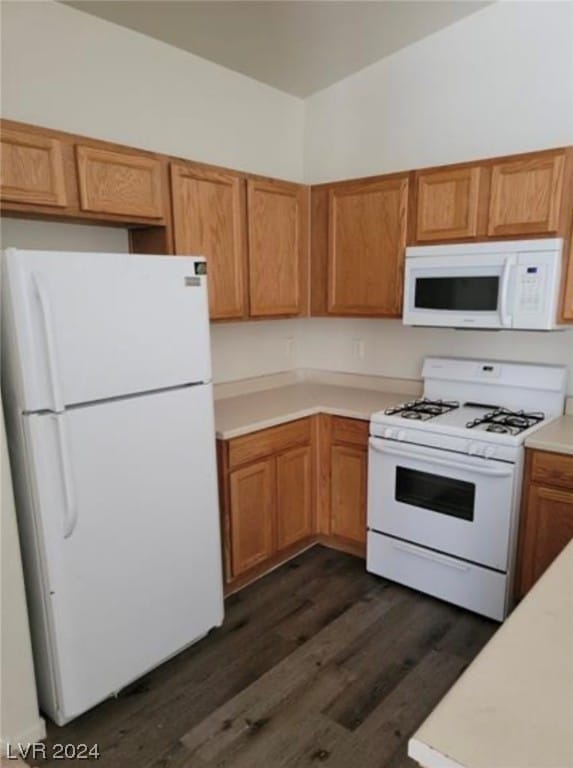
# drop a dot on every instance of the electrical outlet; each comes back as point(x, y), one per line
point(358, 348)
point(289, 346)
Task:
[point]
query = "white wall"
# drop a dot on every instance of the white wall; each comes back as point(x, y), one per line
point(243, 350)
point(65, 69)
point(59, 236)
point(391, 349)
point(498, 81)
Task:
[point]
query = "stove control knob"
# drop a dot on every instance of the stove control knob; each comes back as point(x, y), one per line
point(388, 432)
point(473, 449)
point(402, 434)
point(489, 452)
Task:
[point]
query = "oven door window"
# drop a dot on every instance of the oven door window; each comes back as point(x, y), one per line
point(456, 293)
point(437, 493)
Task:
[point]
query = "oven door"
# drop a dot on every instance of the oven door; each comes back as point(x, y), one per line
point(449, 502)
point(459, 291)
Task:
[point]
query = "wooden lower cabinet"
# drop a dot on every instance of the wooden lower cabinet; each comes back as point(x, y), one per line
point(252, 524)
point(294, 496)
point(547, 515)
point(288, 487)
point(266, 490)
point(348, 469)
point(343, 473)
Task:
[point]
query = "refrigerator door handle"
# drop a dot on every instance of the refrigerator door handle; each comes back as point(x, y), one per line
point(71, 507)
point(46, 312)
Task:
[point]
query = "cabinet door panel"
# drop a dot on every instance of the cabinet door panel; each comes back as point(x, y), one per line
point(567, 304)
point(367, 238)
point(348, 492)
point(448, 203)
point(526, 196)
point(31, 169)
point(552, 469)
point(278, 245)
point(119, 183)
point(548, 529)
point(252, 510)
point(294, 496)
point(210, 219)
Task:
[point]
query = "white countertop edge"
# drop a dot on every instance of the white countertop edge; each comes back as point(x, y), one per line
point(428, 757)
point(283, 418)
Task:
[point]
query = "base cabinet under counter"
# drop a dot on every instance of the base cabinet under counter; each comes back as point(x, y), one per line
point(288, 487)
point(342, 448)
point(266, 496)
point(546, 516)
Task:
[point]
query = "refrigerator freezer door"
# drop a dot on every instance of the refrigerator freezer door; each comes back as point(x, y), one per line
point(90, 326)
point(131, 553)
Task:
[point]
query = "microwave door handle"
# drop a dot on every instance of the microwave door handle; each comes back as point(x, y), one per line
point(416, 453)
point(505, 317)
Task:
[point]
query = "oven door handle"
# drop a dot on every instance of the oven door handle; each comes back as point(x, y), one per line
point(415, 452)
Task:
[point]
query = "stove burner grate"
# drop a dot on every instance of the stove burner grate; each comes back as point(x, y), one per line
point(423, 409)
point(504, 421)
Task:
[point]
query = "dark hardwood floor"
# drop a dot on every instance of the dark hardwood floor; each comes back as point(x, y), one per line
point(318, 663)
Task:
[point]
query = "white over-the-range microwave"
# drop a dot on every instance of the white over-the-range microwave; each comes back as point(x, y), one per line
point(494, 285)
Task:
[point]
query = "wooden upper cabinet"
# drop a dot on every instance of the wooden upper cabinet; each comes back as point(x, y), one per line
point(252, 499)
point(119, 183)
point(448, 204)
point(567, 306)
point(209, 212)
point(526, 195)
point(294, 496)
point(278, 247)
point(366, 242)
point(31, 169)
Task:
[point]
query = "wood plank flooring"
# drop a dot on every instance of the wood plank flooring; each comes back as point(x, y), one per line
point(318, 663)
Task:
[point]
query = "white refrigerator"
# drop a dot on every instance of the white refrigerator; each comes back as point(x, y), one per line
point(106, 379)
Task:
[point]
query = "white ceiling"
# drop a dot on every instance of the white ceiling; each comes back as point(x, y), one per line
point(298, 46)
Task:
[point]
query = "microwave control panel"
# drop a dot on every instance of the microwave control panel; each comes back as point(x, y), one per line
point(530, 288)
point(535, 290)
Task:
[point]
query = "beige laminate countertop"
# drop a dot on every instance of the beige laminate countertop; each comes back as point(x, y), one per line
point(513, 706)
point(556, 436)
point(246, 413)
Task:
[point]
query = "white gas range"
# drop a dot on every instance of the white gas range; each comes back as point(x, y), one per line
point(444, 478)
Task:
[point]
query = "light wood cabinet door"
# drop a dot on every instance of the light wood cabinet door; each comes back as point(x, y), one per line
point(526, 196)
point(294, 496)
point(278, 248)
point(209, 215)
point(447, 204)
point(119, 183)
point(366, 242)
point(567, 296)
point(348, 472)
point(252, 498)
point(548, 529)
point(31, 169)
